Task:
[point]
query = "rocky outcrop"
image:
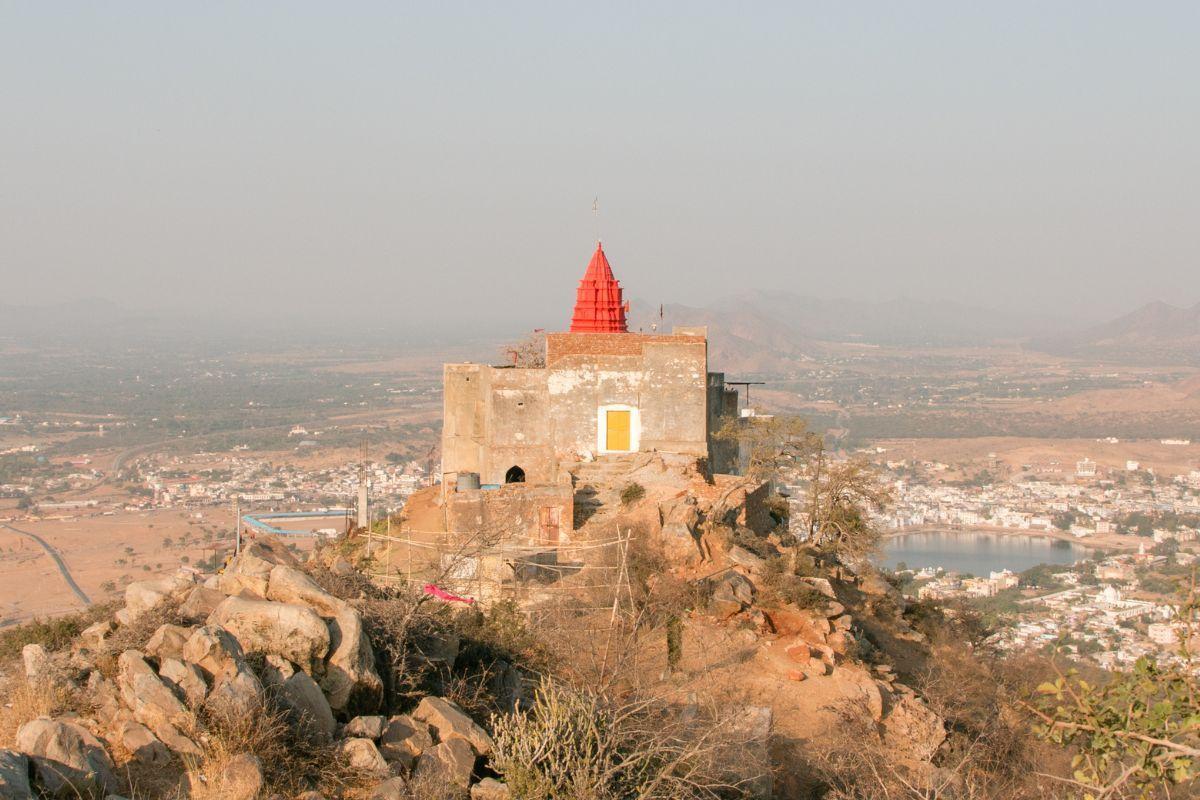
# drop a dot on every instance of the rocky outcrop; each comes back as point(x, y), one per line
point(449, 721)
point(14, 776)
point(350, 678)
point(449, 763)
point(362, 754)
point(67, 758)
point(142, 596)
point(291, 631)
point(153, 704)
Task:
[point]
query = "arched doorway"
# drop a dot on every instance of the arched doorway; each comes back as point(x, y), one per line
point(514, 475)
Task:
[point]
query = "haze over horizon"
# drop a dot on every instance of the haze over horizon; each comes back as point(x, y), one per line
point(440, 163)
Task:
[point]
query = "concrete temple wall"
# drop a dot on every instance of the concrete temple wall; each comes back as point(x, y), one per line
point(542, 419)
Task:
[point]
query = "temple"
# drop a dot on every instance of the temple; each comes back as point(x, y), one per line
point(603, 391)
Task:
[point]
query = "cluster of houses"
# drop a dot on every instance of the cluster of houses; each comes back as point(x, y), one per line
point(1084, 508)
point(177, 481)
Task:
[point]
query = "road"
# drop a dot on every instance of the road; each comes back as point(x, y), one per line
point(62, 565)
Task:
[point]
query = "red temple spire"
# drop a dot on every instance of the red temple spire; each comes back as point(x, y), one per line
point(599, 307)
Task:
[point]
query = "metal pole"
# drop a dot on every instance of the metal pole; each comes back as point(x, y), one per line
point(237, 511)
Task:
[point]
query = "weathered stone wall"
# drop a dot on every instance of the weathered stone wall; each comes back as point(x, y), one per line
point(722, 407)
point(540, 419)
point(513, 513)
point(496, 418)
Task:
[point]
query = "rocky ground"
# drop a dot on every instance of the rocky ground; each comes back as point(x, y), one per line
point(160, 709)
point(277, 678)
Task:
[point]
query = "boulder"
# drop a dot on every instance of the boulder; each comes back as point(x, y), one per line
point(350, 680)
point(369, 727)
point(240, 779)
point(186, 679)
point(176, 742)
point(38, 667)
point(142, 744)
point(875, 585)
point(291, 631)
point(391, 789)
point(912, 729)
point(103, 697)
point(236, 693)
point(822, 585)
point(141, 596)
point(290, 585)
point(14, 776)
point(233, 584)
point(92, 637)
point(744, 558)
point(144, 693)
point(214, 650)
point(67, 757)
point(449, 721)
point(731, 593)
point(307, 706)
point(448, 764)
point(362, 754)
point(404, 739)
point(167, 642)
point(490, 789)
point(199, 603)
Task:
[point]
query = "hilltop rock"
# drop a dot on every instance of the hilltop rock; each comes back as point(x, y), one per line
point(450, 763)
point(449, 722)
point(68, 759)
point(490, 789)
point(144, 693)
point(912, 728)
point(362, 754)
point(142, 744)
point(240, 779)
point(369, 727)
point(350, 680)
point(291, 631)
point(167, 642)
point(404, 739)
point(236, 692)
point(186, 679)
point(199, 603)
point(214, 650)
point(14, 776)
point(142, 596)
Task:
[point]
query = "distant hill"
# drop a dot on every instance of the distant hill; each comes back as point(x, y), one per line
point(772, 332)
point(740, 341)
point(1157, 331)
point(902, 321)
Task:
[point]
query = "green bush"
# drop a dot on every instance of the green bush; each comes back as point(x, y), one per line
point(632, 493)
point(52, 634)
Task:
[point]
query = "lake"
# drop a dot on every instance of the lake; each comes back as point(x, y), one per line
point(978, 552)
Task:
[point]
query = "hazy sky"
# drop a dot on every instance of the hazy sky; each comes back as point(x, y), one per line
point(440, 160)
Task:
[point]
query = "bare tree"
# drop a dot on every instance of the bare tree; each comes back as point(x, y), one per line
point(529, 352)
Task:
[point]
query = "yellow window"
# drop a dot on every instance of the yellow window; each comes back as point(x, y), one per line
point(618, 431)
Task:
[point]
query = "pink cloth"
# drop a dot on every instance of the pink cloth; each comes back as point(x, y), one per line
point(442, 594)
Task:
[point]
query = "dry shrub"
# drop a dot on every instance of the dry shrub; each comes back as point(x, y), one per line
point(53, 634)
point(135, 635)
point(292, 762)
point(578, 744)
point(24, 701)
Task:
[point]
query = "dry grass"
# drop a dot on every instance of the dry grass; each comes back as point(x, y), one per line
point(135, 636)
point(292, 762)
point(24, 702)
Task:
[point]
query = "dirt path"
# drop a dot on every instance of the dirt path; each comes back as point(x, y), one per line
point(62, 565)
